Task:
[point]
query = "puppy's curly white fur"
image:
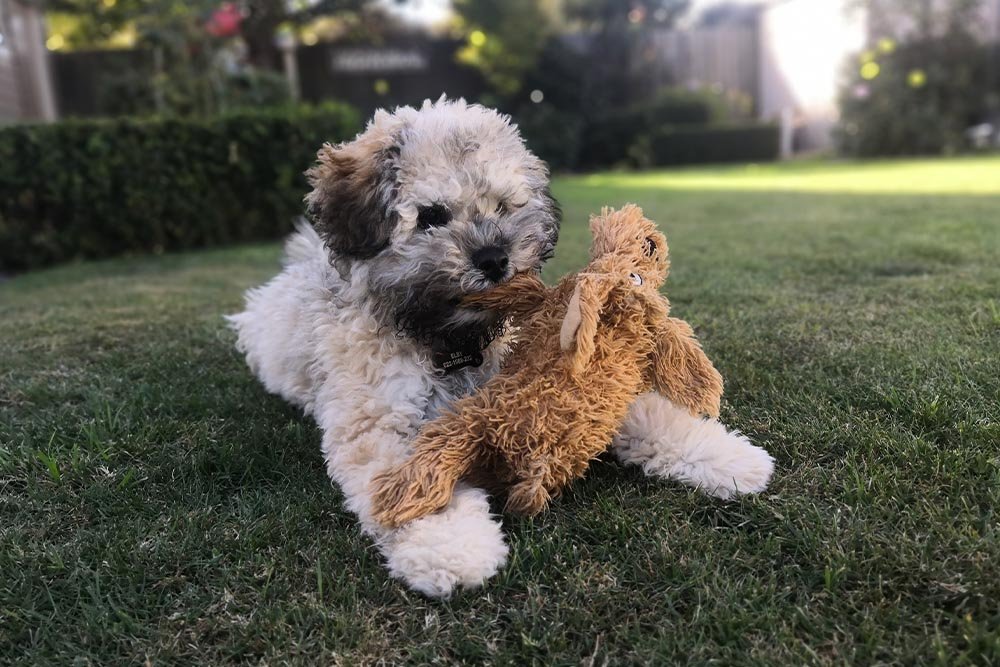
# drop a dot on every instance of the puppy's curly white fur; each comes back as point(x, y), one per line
point(423, 208)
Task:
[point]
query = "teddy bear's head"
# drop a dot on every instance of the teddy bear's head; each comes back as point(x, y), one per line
point(626, 242)
point(628, 260)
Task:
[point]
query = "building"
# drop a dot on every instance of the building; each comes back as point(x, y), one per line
point(803, 48)
point(788, 56)
point(25, 85)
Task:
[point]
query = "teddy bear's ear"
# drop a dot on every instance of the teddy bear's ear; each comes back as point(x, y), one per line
point(571, 322)
point(579, 327)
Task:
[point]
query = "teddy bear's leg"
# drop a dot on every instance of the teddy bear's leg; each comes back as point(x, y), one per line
point(462, 545)
point(425, 482)
point(528, 497)
point(668, 442)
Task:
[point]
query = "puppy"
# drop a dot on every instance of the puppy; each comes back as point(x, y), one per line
point(364, 330)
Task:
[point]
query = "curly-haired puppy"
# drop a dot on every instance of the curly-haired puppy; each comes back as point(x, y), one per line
point(364, 330)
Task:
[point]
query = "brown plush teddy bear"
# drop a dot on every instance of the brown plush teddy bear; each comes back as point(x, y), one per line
point(585, 349)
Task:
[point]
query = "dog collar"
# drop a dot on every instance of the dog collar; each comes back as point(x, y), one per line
point(464, 348)
point(449, 360)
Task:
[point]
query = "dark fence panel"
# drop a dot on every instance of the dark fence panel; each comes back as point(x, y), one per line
point(402, 71)
point(103, 83)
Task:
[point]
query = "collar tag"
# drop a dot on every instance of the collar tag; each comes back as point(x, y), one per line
point(450, 361)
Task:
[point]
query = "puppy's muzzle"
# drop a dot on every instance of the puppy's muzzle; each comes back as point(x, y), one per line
point(492, 261)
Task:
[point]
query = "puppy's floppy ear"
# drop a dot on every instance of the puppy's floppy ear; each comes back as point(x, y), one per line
point(579, 326)
point(354, 190)
point(543, 204)
point(552, 215)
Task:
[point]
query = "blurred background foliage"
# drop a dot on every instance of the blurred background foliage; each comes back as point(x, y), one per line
point(565, 69)
point(209, 80)
point(925, 85)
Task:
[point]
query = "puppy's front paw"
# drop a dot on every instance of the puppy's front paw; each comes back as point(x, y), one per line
point(461, 546)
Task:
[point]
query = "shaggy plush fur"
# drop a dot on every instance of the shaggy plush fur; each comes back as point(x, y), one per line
point(586, 350)
point(351, 327)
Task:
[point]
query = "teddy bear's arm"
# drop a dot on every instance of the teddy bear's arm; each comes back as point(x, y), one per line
point(521, 295)
point(682, 371)
point(445, 450)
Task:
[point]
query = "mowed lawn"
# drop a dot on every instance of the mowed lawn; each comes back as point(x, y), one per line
point(156, 504)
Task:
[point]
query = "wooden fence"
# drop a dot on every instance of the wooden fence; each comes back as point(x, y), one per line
point(723, 57)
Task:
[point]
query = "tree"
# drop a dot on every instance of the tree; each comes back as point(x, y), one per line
point(95, 22)
point(264, 17)
point(923, 81)
point(920, 19)
point(505, 37)
point(612, 14)
point(614, 28)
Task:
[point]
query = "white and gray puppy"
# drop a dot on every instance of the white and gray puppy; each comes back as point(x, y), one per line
point(363, 330)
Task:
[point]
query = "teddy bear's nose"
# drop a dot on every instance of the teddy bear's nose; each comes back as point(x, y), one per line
point(492, 261)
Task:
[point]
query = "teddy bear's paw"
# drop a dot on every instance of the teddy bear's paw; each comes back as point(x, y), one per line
point(528, 497)
point(460, 546)
point(399, 497)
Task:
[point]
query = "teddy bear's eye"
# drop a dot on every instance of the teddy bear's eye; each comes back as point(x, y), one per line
point(650, 247)
point(433, 216)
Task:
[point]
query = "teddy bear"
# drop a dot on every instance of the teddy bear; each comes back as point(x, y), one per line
point(584, 350)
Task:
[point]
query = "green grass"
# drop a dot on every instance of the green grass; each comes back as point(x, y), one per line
point(156, 504)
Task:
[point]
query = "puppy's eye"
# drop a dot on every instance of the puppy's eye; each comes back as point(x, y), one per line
point(433, 216)
point(650, 247)
point(502, 208)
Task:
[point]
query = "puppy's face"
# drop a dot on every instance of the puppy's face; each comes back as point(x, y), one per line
point(434, 204)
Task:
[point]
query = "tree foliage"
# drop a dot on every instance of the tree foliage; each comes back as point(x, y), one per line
point(905, 20)
point(922, 82)
point(614, 29)
point(505, 37)
point(95, 22)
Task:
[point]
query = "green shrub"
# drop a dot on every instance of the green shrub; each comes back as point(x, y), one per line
point(106, 187)
point(917, 99)
point(551, 134)
point(609, 137)
point(707, 144)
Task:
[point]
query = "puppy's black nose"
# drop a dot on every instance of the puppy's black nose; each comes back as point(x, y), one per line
point(492, 261)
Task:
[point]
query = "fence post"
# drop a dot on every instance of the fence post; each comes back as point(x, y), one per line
point(787, 133)
point(285, 41)
point(158, 75)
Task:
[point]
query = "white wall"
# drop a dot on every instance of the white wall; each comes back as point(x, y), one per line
point(25, 84)
point(723, 56)
point(803, 49)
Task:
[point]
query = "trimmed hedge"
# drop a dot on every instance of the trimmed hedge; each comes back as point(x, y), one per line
point(100, 188)
point(551, 134)
point(609, 136)
point(675, 127)
point(709, 144)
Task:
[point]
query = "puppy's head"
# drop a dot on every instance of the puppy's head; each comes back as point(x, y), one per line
point(428, 205)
